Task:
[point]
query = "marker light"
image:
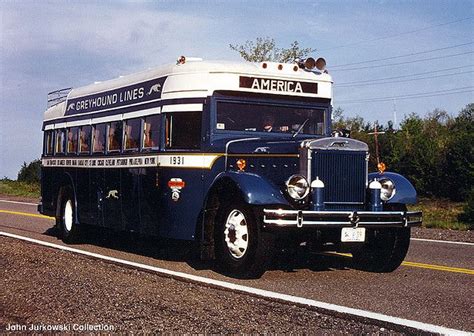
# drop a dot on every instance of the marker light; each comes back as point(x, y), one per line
point(309, 63)
point(280, 67)
point(264, 65)
point(381, 167)
point(321, 64)
point(295, 68)
point(181, 60)
point(241, 164)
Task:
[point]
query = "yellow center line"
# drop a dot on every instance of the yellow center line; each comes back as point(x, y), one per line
point(421, 265)
point(25, 214)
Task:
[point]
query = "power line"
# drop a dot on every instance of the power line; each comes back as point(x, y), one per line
point(399, 34)
point(407, 62)
point(405, 80)
point(400, 56)
point(410, 96)
point(408, 75)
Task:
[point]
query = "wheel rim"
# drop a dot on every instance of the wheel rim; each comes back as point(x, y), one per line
point(68, 215)
point(236, 234)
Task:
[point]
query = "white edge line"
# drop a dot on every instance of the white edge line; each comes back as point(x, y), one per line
point(17, 202)
point(259, 292)
point(442, 241)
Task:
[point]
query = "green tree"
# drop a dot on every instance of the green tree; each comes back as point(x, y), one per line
point(265, 49)
point(459, 163)
point(30, 173)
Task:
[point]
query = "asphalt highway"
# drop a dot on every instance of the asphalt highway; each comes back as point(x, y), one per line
point(434, 285)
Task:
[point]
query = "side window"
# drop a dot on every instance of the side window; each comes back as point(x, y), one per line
point(183, 130)
point(48, 142)
point(60, 140)
point(151, 132)
point(99, 138)
point(115, 136)
point(132, 134)
point(72, 140)
point(85, 139)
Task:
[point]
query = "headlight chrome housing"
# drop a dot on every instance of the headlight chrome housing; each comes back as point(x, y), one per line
point(297, 187)
point(388, 189)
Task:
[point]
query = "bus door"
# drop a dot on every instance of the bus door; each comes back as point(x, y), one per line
point(180, 175)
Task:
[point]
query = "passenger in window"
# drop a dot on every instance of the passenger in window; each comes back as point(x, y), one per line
point(267, 123)
point(131, 141)
point(98, 139)
point(148, 140)
point(71, 141)
point(84, 139)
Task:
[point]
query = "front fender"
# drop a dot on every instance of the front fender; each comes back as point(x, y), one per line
point(405, 192)
point(255, 189)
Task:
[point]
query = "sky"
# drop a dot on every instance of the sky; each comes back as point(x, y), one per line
point(387, 58)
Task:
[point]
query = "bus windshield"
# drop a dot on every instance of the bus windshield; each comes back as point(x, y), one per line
point(256, 117)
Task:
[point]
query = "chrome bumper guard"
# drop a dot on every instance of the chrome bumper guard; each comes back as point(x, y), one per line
point(335, 219)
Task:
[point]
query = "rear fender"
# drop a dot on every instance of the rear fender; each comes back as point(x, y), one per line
point(405, 192)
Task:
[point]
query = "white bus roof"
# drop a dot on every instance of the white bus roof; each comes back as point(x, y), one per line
point(199, 79)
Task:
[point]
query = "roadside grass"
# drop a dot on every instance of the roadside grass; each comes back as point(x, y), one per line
point(17, 188)
point(440, 213)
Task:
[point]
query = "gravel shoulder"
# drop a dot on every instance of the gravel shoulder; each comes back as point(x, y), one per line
point(44, 287)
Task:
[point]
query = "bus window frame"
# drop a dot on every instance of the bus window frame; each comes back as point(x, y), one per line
point(56, 131)
point(104, 141)
point(166, 130)
point(326, 108)
point(90, 140)
point(52, 134)
point(107, 148)
point(160, 134)
point(124, 138)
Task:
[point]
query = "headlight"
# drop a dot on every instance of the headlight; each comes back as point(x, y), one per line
point(297, 187)
point(388, 189)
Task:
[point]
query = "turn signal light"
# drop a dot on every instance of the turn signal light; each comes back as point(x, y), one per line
point(241, 164)
point(381, 167)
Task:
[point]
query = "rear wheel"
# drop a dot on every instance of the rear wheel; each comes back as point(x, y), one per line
point(67, 223)
point(242, 249)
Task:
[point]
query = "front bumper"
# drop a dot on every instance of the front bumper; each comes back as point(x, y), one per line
point(339, 219)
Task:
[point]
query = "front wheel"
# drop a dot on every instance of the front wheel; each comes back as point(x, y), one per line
point(385, 250)
point(242, 249)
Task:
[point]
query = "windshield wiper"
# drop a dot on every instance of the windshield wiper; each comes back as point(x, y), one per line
point(300, 128)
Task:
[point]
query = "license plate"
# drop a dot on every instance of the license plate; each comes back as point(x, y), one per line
point(352, 235)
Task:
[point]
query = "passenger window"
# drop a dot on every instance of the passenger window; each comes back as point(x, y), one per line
point(99, 138)
point(72, 140)
point(151, 132)
point(183, 130)
point(115, 136)
point(85, 139)
point(132, 134)
point(60, 140)
point(48, 143)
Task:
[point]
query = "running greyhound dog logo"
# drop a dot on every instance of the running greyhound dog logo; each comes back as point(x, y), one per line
point(71, 107)
point(155, 88)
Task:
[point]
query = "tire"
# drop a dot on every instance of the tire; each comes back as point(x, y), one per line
point(67, 224)
point(385, 250)
point(242, 250)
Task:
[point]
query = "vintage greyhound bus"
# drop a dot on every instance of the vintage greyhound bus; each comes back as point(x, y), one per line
point(238, 157)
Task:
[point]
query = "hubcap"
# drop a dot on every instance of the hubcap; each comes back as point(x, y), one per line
point(68, 215)
point(236, 234)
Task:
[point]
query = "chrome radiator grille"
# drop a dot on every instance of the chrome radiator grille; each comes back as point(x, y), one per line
point(344, 176)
